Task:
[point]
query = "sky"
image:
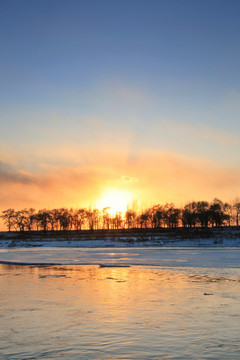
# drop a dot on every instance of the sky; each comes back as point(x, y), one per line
point(133, 98)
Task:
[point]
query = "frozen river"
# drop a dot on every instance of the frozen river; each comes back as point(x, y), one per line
point(165, 304)
point(193, 257)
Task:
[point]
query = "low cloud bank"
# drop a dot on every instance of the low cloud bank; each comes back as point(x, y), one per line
point(151, 176)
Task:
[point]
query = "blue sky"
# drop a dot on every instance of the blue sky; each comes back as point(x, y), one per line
point(146, 77)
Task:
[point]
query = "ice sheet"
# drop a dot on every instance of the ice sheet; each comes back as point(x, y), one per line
point(172, 257)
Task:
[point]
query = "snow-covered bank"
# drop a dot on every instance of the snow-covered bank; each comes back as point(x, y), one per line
point(229, 237)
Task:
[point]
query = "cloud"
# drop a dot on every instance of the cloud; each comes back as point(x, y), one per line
point(156, 177)
point(9, 174)
point(178, 178)
point(128, 179)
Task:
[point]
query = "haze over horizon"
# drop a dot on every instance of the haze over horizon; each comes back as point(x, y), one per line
point(134, 98)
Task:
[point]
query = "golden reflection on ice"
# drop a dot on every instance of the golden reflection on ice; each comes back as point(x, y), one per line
point(115, 312)
point(117, 289)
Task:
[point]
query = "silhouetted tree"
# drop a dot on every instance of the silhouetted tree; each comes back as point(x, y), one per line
point(173, 216)
point(79, 217)
point(64, 217)
point(170, 215)
point(142, 219)
point(203, 213)
point(189, 214)
point(130, 217)
point(216, 212)
point(227, 211)
point(92, 217)
point(29, 220)
point(117, 221)
point(236, 207)
point(22, 219)
point(158, 213)
point(193, 214)
point(8, 217)
point(42, 218)
point(106, 218)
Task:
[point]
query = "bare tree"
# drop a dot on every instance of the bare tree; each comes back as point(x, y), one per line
point(42, 218)
point(130, 217)
point(8, 217)
point(216, 212)
point(236, 207)
point(203, 213)
point(117, 221)
point(143, 219)
point(22, 219)
point(106, 218)
point(92, 217)
point(189, 214)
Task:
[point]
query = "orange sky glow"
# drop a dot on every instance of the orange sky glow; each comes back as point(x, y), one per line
point(110, 177)
point(133, 117)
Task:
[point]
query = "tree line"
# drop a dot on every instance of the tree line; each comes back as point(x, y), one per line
point(193, 214)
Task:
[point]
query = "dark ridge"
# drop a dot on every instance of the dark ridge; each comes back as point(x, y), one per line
point(142, 234)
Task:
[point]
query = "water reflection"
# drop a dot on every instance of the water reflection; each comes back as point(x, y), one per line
point(88, 312)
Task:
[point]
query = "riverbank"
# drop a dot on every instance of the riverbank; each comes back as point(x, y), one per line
point(180, 237)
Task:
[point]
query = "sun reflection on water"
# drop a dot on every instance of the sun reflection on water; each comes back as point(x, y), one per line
point(119, 313)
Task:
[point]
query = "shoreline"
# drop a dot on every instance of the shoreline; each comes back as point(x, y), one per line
point(179, 237)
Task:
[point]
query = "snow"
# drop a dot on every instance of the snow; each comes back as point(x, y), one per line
point(11, 242)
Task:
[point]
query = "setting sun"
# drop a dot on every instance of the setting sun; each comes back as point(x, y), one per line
point(115, 200)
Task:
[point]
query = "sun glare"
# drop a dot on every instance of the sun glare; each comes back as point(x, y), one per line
point(114, 200)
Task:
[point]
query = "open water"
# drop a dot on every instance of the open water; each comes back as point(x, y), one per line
point(142, 311)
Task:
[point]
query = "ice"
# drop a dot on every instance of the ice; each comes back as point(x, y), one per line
point(151, 256)
point(138, 312)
